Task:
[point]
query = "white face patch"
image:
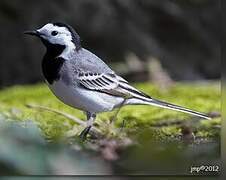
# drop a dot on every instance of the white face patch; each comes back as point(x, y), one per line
point(56, 34)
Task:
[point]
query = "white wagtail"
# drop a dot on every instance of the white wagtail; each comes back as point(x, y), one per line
point(82, 80)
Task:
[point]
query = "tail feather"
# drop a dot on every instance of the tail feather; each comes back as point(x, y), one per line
point(162, 104)
point(137, 97)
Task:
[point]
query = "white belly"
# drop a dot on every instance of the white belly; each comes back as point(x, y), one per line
point(86, 100)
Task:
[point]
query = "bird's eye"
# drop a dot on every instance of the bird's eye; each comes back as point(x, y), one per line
point(54, 33)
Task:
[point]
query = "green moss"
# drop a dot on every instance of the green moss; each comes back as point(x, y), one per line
point(201, 97)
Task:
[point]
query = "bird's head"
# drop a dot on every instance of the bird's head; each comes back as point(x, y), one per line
point(57, 34)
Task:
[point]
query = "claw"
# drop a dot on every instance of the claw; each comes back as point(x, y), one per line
point(84, 133)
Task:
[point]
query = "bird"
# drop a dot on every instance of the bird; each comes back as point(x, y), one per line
point(82, 80)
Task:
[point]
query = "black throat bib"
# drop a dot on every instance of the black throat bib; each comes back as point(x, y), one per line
point(51, 63)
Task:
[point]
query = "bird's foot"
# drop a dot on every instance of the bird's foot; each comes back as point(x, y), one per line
point(123, 125)
point(84, 133)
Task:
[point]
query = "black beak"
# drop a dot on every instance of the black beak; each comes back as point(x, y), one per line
point(33, 33)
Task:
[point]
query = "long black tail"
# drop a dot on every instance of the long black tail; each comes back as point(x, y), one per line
point(162, 104)
point(139, 97)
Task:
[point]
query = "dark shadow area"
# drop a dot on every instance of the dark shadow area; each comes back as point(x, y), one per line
point(183, 35)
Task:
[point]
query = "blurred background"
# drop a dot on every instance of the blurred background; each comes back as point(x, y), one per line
point(171, 39)
point(142, 40)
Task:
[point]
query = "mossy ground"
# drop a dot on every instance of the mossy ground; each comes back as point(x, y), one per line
point(204, 97)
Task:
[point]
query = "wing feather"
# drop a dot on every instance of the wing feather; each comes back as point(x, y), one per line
point(96, 81)
point(108, 83)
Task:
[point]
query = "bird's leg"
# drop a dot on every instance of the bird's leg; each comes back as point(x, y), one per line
point(90, 119)
point(116, 114)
